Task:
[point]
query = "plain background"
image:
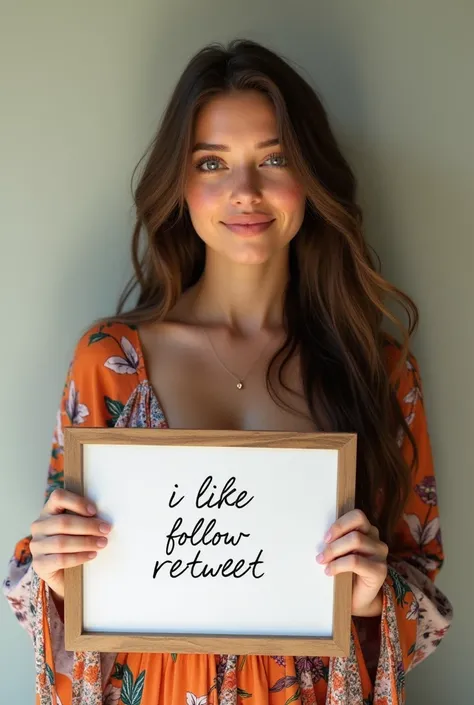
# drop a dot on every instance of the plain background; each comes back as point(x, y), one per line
point(82, 89)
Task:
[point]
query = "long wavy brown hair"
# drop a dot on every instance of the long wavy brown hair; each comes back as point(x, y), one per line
point(336, 299)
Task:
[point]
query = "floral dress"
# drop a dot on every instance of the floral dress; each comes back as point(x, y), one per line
point(107, 386)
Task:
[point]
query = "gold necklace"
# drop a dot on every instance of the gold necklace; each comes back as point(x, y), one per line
point(240, 380)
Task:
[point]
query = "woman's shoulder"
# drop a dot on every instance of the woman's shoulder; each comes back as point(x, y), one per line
point(402, 369)
point(113, 344)
point(108, 353)
point(105, 370)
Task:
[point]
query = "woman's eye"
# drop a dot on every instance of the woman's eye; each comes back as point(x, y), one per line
point(212, 162)
point(278, 160)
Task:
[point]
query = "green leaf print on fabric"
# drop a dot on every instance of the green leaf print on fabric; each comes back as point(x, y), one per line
point(56, 478)
point(400, 587)
point(50, 674)
point(131, 693)
point(400, 677)
point(294, 697)
point(95, 337)
point(115, 409)
point(243, 693)
point(55, 482)
point(242, 663)
point(109, 324)
point(118, 671)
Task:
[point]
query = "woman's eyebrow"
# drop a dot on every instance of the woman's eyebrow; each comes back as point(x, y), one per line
point(207, 146)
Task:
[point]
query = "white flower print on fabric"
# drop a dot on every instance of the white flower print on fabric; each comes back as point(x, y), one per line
point(76, 411)
point(58, 437)
point(192, 699)
point(422, 534)
point(126, 365)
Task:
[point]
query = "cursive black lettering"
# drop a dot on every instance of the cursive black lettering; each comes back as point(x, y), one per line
point(159, 566)
point(255, 563)
point(170, 544)
point(194, 563)
point(228, 567)
point(198, 569)
point(170, 504)
point(204, 487)
point(238, 566)
point(208, 537)
point(176, 565)
point(227, 491)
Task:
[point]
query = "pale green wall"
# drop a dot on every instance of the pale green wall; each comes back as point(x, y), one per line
point(82, 86)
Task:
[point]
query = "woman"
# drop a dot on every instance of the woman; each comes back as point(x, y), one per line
point(259, 308)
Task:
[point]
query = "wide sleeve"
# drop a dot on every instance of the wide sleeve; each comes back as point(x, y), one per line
point(17, 584)
point(423, 613)
point(93, 395)
point(415, 614)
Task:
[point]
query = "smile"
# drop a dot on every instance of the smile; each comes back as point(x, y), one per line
point(249, 228)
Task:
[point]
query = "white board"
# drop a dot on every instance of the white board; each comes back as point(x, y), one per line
point(288, 505)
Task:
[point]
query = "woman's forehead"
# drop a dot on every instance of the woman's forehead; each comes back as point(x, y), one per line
point(241, 116)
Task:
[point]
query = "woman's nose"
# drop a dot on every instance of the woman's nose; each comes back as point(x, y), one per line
point(246, 187)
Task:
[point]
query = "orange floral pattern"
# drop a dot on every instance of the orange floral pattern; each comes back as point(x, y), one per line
point(92, 674)
point(107, 386)
point(78, 670)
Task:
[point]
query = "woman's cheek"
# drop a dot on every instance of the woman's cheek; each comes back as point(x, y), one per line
point(289, 197)
point(194, 196)
point(202, 198)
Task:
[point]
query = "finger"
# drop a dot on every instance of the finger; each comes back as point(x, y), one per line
point(62, 500)
point(57, 561)
point(370, 570)
point(373, 531)
point(66, 544)
point(353, 520)
point(353, 542)
point(69, 524)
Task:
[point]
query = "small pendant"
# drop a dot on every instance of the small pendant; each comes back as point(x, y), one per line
point(240, 385)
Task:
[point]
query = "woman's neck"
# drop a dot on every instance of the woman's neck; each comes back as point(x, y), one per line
point(246, 298)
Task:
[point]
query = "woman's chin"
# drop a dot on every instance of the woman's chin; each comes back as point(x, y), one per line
point(251, 258)
point(254, 253)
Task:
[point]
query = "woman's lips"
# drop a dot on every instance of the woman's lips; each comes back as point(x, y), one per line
point(249, 228)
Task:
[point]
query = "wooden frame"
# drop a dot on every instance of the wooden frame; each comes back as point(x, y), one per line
point(78, 639)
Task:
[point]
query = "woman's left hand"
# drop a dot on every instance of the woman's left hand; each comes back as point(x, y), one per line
point(353, 545)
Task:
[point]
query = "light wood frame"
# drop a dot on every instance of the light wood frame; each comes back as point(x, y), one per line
point(77, 639)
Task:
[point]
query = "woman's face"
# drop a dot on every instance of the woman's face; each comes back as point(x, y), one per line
point(237, 175)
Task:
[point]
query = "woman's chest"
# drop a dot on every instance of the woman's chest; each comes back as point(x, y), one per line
point(196, 392)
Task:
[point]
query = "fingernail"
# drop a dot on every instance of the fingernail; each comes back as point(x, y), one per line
point(327, 570)
point(91, 509)
point(327, 536)
point(320, 558)
point(105, 528)
point(102, 542)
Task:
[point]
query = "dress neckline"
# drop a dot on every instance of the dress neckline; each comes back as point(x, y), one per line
point(143, 376)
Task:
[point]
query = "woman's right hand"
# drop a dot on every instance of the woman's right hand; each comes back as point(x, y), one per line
point(62, 540)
